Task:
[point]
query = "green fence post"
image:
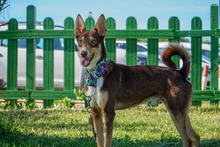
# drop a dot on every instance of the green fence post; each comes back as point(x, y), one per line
point(111, 42)
point(12, 62)
point(196, 50)
point(214, 51)
point(48, 62)
point(152, 58)
point(12, 66)
point(69, 54)
point(90, 23)
point(131, 44)
point(174, 24)
point(30, 56)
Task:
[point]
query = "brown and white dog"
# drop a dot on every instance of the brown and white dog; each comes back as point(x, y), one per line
point(114, 86)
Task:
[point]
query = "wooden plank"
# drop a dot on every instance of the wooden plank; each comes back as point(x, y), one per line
point(140, 33)
point(152, 58)
point(214, 49)
point(214, 52)
point(48, 34)
point(151, 34)
point(202, 98)
point(206, 92)
point(69, 55)
point(196, 50)
point(48, 55)
point(195, 33)
point(33, 34)
point(111, 42)
point(131, 44)
point(48, 96)
point(48, 62)
point(196, 57)
point(12, 60)
point(30, 52)
point(14, 94)
point(90, 23)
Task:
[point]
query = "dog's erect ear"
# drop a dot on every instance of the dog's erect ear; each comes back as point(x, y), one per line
point(100, 26)
point(79, 26)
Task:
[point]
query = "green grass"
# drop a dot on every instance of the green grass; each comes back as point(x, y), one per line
point(134, 127)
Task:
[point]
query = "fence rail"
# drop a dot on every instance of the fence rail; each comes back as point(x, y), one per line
point(131, 34)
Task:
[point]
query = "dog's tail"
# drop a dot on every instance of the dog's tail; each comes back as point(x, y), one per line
point(176, 49)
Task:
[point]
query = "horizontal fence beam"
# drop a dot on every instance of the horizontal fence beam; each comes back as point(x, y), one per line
point(129, 34)
point(51, 95)
point(14, 94)
point(135, 34)
point(36, 94)
point(195, 33)
point(33, 34)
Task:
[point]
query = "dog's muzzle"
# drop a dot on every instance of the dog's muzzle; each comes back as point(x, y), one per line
point(85, 57)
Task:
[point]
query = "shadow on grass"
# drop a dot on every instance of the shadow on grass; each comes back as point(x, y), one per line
point(31, 140)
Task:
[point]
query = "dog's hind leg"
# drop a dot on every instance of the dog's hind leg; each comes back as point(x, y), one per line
point(179, 120)
point(192, 134)
point(98, 125)
point(179, 114)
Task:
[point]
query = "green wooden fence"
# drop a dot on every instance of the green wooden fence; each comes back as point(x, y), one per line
point(131, 34)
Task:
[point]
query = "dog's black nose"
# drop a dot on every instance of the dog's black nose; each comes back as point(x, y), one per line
point(83, 53)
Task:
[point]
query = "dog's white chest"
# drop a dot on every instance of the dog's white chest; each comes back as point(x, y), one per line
point(99, 98)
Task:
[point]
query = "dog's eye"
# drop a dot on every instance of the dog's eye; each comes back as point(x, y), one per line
point(80, 41)
point(94, 42)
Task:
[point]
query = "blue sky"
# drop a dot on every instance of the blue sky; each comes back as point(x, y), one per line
point(120, 10)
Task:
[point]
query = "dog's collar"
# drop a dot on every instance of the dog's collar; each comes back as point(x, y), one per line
point(97, 72)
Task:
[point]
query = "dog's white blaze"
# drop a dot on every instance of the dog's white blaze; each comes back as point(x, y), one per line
point(100, 98)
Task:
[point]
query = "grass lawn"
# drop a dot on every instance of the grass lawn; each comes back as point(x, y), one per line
point(141, 126)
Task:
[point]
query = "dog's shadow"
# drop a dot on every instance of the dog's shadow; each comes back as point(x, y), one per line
point(87, 141)
point(157, 143)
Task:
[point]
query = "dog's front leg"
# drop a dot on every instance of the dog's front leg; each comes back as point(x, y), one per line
point(109, 122)
point(98, 125)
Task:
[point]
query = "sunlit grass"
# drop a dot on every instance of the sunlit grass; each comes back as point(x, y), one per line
point(139, 126)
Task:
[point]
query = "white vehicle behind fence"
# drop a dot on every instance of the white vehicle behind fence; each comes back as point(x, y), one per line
point(58, 61)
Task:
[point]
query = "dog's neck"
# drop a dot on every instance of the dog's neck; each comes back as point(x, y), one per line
point(97, 72)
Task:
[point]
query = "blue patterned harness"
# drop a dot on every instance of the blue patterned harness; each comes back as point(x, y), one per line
point(97, 72)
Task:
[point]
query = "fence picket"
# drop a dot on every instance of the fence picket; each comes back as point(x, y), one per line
point(214, 51)
point(69, 66)
point(12, 61)
point(12, 58)
point(90, 23)
point(110, 42)
point(152, 58)
point(30, 53)
point(131, 44)
point(48, 62)
point(196, 51)
point(30, 44)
